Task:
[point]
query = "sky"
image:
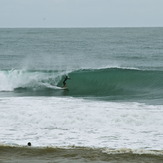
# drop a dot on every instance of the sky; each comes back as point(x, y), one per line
point(81, 13)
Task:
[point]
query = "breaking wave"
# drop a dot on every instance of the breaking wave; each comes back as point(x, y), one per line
point(106, 82)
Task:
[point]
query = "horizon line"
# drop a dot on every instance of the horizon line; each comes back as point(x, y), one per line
point(82, 27)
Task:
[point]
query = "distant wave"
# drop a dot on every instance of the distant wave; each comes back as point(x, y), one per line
point(79, 154)
point(117, 82)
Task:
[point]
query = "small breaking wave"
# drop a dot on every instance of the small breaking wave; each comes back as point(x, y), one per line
point(79, 154)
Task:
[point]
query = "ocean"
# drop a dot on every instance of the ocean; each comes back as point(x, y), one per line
point(111, 110)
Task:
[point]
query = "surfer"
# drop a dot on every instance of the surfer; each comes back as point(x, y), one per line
point(64, 81)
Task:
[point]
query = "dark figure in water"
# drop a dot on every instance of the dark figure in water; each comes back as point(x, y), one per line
point(29, 144)
point(64, 81)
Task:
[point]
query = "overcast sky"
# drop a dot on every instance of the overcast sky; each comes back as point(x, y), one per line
point(81, 13)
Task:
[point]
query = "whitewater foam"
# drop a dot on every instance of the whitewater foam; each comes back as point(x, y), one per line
point(54, 121)
point(12, 79)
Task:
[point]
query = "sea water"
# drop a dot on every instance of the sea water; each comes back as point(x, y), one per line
point(113, 104)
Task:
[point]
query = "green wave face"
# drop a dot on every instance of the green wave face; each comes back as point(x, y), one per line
point(115, 82)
